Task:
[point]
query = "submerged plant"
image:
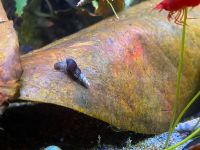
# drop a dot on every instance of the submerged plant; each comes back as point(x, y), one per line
point(113, 9)
point(178, 8)
point(20, 4)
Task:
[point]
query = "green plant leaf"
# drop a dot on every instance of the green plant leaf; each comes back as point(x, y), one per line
point(95, 4)
point(20, 4)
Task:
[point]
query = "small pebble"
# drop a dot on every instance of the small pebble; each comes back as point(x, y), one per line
point(188, 126)
point(52, 148)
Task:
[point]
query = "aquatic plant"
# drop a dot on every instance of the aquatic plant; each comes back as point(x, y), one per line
point(100, 7)
point(178, 8)
point(20, 4)
point(113, 9)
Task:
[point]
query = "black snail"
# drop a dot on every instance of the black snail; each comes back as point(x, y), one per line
point(70, 67)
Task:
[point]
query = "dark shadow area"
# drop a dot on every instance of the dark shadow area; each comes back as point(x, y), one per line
point(33, 126)
point(193, 110)
point(44, 21)
point(194, 144)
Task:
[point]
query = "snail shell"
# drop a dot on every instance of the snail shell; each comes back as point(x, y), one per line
point(60, 66)
point(70, 67)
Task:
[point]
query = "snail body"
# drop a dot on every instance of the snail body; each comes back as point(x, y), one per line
point(70, 67)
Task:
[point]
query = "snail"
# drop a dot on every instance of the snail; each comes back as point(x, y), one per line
point(71, 68)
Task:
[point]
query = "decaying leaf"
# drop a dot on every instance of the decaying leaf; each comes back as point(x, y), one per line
point(105, 9)
point(131, 65)
point(3, 16)
point(10, 67)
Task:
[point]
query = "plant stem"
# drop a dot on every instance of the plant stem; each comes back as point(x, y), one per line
point(178, 80)
point(50, 7)
point(113, 9)
point(185, 140)
point(185, 109)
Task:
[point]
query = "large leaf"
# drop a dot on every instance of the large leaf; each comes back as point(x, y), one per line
point(10, 66)
point(131, 64)
point(3, 16)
